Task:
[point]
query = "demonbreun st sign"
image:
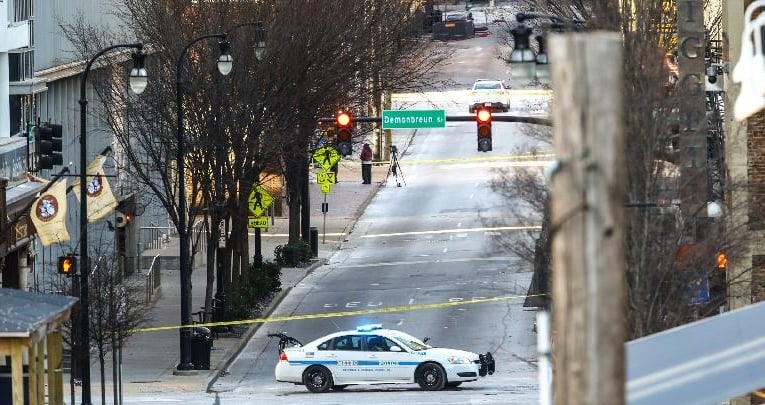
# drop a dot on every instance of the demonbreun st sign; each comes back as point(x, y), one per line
point(401, 119)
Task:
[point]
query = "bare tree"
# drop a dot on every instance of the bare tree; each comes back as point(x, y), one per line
point(663, 270)
point(258, 120)
point(117, 307)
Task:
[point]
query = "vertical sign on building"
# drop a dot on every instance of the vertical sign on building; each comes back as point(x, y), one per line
point(692, 140)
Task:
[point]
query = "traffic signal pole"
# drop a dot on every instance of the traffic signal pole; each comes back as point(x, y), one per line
point(462, 118)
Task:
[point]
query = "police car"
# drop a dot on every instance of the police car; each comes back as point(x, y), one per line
point(374, 355)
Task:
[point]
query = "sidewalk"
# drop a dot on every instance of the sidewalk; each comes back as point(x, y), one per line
point(149, 359)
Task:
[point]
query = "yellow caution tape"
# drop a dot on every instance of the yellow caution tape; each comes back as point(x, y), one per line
point(405, 308)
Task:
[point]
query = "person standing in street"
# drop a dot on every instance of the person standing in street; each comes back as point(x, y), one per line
point(366, 164)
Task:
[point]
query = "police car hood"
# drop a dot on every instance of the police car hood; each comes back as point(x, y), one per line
point(442, 351)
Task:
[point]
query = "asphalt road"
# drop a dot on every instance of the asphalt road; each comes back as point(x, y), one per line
point(425, 242)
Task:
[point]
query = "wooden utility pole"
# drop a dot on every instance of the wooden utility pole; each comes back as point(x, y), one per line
point(587, 219)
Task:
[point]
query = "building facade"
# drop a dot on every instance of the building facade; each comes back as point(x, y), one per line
point(40, 73)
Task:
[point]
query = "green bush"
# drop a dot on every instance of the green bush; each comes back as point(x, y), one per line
point(253, 296)
point(293, 255)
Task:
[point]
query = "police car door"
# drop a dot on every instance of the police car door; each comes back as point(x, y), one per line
point(347, 352)
point(389, 361)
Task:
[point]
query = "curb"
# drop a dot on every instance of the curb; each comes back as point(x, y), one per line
point(224, 363)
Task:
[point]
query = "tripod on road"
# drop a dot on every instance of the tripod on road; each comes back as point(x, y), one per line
point(394, 166)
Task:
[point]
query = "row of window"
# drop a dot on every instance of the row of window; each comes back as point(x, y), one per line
point(371, 343)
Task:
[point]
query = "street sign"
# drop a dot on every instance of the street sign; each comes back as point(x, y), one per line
point(257, 222)
point(397, 119)
point(325, 177)
point(259, 201)
point(326, 188)
point(326, 157)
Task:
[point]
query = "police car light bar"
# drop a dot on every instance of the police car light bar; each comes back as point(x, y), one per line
point(369, 328)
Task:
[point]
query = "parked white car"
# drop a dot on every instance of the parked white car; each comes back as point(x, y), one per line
point(374, 355)
point(489, 93)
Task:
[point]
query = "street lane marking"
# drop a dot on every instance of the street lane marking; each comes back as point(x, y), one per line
point(442, 231)
point(415, 262)
point(338, 314)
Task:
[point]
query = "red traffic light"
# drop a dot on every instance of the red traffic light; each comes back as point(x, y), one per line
point(67, 265)
point(343, 120)
point(483, 116)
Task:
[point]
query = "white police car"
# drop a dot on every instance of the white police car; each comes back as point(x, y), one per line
point(373, 355)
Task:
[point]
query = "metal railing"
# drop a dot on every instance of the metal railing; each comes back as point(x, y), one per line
point(152, 277)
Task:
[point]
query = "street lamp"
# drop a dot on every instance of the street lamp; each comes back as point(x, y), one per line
point(225, 64)
point(138, 81)
point(524, 65)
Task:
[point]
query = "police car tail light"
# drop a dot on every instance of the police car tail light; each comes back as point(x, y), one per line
point(283, 356)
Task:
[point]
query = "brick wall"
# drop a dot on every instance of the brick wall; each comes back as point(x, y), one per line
point(756, 171)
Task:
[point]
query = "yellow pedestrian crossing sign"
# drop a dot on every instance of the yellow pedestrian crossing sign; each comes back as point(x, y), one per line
point(326, 177)
point(326, 156)
point(259, 201)
point(257, 222)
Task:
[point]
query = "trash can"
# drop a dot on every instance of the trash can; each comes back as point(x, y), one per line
point(201, 346)
point(313, 233)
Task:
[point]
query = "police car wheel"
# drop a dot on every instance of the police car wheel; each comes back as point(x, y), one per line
point(431, 377)
point(317, 379)
point(338, 387)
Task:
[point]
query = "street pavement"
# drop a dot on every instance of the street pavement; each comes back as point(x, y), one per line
point(149, 359)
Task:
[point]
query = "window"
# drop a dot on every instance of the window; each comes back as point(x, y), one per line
point(324, 345)
point(348, 342)
point(379, 344)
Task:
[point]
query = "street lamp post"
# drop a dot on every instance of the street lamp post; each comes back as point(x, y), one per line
point(225, 63)
point(220, 290)
point(138, 80)
point(524, 64)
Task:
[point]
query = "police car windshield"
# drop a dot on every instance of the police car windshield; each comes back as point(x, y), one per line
point(411, 342)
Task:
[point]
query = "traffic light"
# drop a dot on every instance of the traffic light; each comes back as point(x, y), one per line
point(67, 265)
point(483, 122)
point(722, 261)
point(121, 219)
point(343, 122)
point(49, 145)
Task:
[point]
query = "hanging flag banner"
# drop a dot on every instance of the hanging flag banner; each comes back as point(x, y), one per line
point(48, 215)
point(101, 200)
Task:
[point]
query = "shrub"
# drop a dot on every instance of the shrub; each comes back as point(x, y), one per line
point(252, 297)
point(293, 255)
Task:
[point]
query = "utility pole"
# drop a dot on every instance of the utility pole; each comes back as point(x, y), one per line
point(587, 223)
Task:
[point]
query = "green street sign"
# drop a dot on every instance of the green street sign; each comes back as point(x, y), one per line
point(398, 119)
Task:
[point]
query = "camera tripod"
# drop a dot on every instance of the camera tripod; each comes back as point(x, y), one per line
point(394, 166)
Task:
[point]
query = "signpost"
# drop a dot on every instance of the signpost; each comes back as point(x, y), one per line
point(258, 202)
point(400, 119)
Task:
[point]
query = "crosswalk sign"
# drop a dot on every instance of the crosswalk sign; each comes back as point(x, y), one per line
point(326, 156)
point(326, 177)
point(259, 201)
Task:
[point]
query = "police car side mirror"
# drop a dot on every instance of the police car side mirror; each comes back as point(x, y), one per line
point(395, 349)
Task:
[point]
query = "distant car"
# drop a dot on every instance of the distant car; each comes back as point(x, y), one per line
point(489, 93)
point(374, 355)
point(454, 26)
